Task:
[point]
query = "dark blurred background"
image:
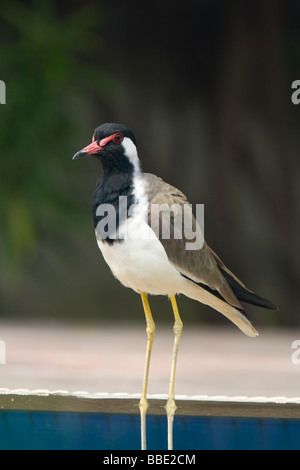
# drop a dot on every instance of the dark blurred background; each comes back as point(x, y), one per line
point(206, 87)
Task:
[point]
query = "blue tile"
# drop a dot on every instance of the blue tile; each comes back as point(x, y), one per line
point(249, 434)
point(275, 434)
point(19, 429)
point(4, 431)
point(91, 431)
point(293, 431)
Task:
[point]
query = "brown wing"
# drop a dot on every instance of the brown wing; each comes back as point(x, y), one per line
point(199, 265)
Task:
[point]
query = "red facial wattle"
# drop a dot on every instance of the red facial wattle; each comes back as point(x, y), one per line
point(96, 146)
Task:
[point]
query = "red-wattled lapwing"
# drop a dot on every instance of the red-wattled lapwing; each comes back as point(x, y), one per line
point(142, 258)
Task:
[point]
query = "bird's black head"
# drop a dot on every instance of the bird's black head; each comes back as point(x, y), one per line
point(114, 145)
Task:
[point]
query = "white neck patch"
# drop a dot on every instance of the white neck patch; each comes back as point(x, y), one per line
point(130, 151)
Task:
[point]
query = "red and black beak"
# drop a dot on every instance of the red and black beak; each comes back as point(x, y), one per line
point(97, 146)
point(91, 149)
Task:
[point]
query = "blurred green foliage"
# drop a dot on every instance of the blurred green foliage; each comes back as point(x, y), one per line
point(46, 57)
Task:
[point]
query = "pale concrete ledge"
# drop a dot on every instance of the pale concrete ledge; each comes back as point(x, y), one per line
point(109, 359)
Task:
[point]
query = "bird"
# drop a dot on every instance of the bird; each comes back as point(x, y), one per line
point(129, 209)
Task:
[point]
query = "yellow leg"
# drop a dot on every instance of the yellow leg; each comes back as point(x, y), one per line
point(143, 404)
point(171, 406)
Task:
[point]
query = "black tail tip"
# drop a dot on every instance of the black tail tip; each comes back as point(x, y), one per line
point(259, 301)
point(270, 305)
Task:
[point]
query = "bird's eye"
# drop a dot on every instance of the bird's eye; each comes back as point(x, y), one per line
point(118, 138)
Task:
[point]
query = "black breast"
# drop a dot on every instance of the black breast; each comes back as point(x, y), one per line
point(112, 200)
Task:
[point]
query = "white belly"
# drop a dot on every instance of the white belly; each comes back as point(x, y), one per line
point(140, 261)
